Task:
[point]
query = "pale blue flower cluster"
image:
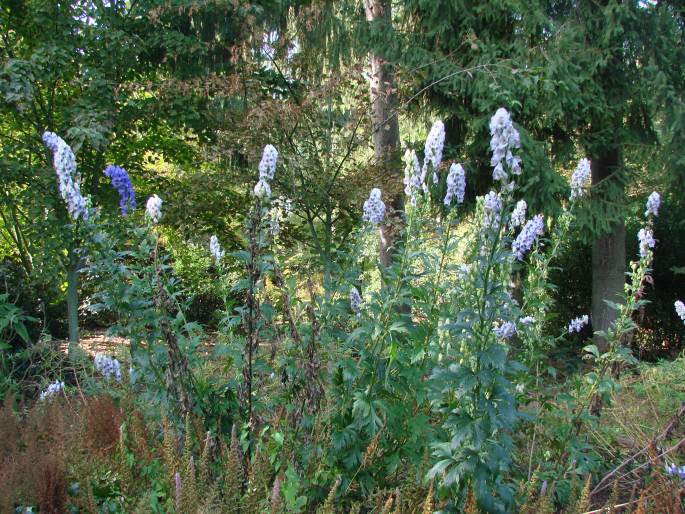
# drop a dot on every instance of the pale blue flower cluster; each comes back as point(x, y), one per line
point(64, 162)
point(456, 184)
point(433, 150)
point(525, 240)
point(680, 309)
point(215, 249)
point(646, 239)
point(493, 207)
point(267, 170)
point(355, 301)
point(579, 178)
point(153, 209)
point(578, 323)
point(108, 367)
point(55, 388)
point(504, 330)
point(122, 183)
point(526, 320)
point(518, 217)
point(412, 176)
point(374, 208)
point(505, 139)
point(653, 204)
point(672, 469)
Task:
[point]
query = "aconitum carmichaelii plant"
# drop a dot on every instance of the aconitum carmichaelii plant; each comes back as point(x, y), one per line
point(122, 183)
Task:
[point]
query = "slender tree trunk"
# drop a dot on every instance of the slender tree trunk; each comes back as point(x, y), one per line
point(72, 300)
point(608, 251)
point(386, 131)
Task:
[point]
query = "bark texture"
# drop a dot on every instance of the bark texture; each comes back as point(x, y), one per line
point(608, 252)
point(386, 132)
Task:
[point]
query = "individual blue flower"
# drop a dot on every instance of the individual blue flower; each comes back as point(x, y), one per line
point(672, 469)
point(578, 323)
point(53, 389)
point(680, 309)
point(122, 183)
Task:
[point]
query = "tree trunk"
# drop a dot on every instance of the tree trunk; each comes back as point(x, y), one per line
point(608, 252)
point(386, 132)
point(72, 300)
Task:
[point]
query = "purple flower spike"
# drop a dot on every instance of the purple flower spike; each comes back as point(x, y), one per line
point(122, 183)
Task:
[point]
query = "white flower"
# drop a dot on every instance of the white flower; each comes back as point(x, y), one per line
point(680, 309)
point(267, 166)
point(153, 209)
point(526, 320)
point(579, 178)
point(504, 330)
point(215, 249)
point(456, 184)
point(267, 169)
point(647, 241)
point(653, 204)
point(530, 232)
point(492, 206)
point(374, 208)
point(577, 324)
point(412, 176)
point(505, 139)
point(108, 367)
point(262, 189)
point(64, 162)
point(355, 301)
point(433, 150)
point(518, 217)
point(56, 387)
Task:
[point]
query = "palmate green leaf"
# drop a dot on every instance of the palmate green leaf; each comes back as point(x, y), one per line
point(439, 467)
point(614, 305)
point(21, 331)
point(399, 327)
point(592, 349)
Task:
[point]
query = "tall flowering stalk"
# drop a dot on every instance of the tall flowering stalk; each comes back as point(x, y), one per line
point(620, 332)
point(257, 240)
point(471, 386)
point(179, 378)
point(538, 302)
point(77, 206)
